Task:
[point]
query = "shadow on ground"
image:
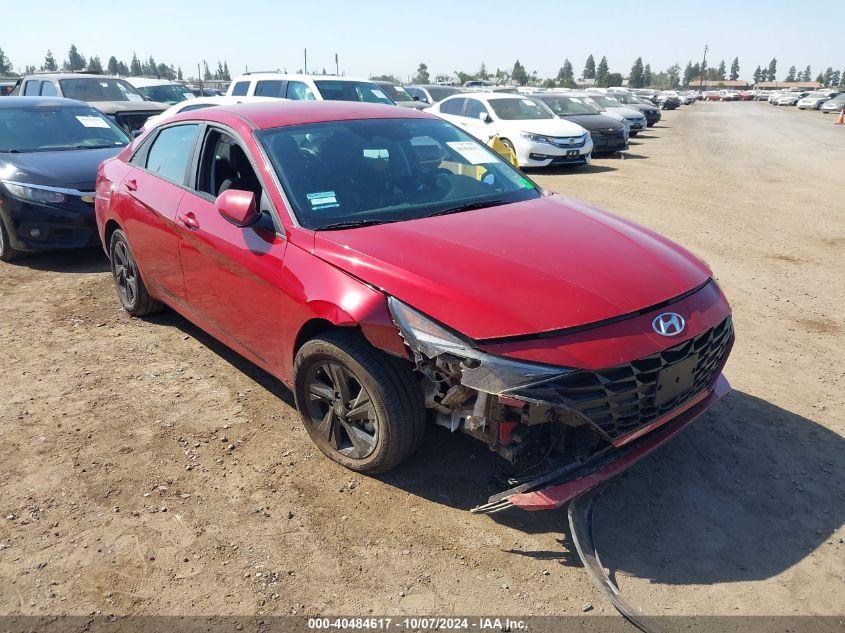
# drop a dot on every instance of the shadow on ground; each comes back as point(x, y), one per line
point(85, 260)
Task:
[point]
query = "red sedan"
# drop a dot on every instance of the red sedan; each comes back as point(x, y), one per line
point(390, 268)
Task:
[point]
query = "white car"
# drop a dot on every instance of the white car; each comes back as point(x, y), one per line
point(197, 104)
point(814, 100)
point(161, 90)
point(790, 98)
point(307, 88)
point(531, 129)
point(634, 119)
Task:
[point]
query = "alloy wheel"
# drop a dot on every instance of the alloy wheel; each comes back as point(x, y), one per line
point(340, 410)
point(125, 274)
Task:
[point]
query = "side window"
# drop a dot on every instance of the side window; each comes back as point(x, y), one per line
point(31, 88)
point(171, 151)
point(48, 89)
point(240, 89)
point(270, 88)
point(300, 91)
point(453, 106)
point(474, 108)
point(224, 165)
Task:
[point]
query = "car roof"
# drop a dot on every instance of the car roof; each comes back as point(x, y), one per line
point(21, 102)
point(64, 75)
point(487, 96)
point(295, 76)
point(280, 113)
point(148, 81)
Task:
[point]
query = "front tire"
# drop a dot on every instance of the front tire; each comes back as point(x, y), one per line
point(131, 291)
point(7, 252)
point(362, 408)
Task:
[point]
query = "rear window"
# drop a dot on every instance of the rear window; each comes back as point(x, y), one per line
point(333, 90)
point(270, 88)
point(92, 89)
point(168, 157)
point(240, 89)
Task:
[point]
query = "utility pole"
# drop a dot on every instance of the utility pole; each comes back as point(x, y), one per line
point(703, 65)
point(336, 65)
point(306, 61)
point(199, 77)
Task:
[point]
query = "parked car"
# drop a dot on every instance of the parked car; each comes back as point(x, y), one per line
point(648, 94)
point(161, 90)
point(7, 86)
point(762, 95)
point(399, 95)
point(777, 94)
point(635, 119)
point(712, 95)
point(49, 152)
point(833, 105)
point(384, 264)
point(747, 95)
point(608, 134)
point(114, 97)
point(790, 98)
point(307, 88)
point(198, 103)
point(527, 127)
point(729, 95)
point(431, 93)
point(814, 100)
point(650, 111)
point(669, 100)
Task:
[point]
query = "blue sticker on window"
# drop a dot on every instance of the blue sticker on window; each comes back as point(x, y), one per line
point(323, 200)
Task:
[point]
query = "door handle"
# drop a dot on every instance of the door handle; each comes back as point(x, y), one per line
point(189, 220)
point(132, 185)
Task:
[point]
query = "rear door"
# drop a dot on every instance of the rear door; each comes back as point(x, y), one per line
point(452, 110)
point(232, 273)
point(151, 193)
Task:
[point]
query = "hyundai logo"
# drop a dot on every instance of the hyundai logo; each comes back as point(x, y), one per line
point(668, 324)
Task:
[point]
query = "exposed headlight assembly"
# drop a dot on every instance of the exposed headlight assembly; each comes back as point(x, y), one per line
point(536, 138)
point(480, 371)
point(34, 193)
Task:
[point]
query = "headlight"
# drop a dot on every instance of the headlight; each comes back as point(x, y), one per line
point(33, 193)
point(480, 371)
point(536, 138)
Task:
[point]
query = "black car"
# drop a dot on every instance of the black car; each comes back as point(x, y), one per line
point(608, 134)
point(50, 149)
point(649, 110)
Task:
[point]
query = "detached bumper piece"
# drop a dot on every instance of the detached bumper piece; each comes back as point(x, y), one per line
point(555, 489)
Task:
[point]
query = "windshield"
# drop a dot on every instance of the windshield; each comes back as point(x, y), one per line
point(438, 93)
point(90, 89)
point(352, 91)
point(397, 93)
point(166, 93)
point(387, 170)
point(623, 98)
point(568, 105)
point(605, 102)
point(45, 128)
point(513, 109)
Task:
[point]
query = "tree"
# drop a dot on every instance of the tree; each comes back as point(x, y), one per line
point(422, 76)
point(758, 73)
point(688, 76)
point(647, 78)
point(566, 76)
point(151, 68)
point(30, 69)
point(482, 72)
point(206, 73)
point(5, 64)
point(179, 73)
point(518, 74)
point(674, 74)
point(112, 66)
point(772, 73)
point(135, 67)
point(735, 69)
point(50, 62)
point(95, 65)
point(808, 74)
point(835, 78)
point(590, 68)
point(601, 71)
point(790, 76)
point(722, 72)
point(635, 79)
point(75, 59)
point(122, 69)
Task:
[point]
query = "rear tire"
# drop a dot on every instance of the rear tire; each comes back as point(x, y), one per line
point(131, 291)
point(7, 252)
point(363, 408)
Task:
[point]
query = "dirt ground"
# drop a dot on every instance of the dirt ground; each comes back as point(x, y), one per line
point(145, 469)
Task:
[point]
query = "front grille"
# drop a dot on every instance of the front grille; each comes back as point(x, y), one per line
point(620, 400)
point(133, 120)
point(564, 142)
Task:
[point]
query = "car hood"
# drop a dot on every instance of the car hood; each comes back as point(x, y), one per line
point(629, 112)
point(522, 268)
point(112, 107)
point(642, 107)
point(594, 122)
point(546, 127)
point(74, 169)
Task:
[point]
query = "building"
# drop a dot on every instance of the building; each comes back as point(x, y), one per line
point(788, 85)
point(719, 84)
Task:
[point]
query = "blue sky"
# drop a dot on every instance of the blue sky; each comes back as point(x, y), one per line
point(380, 36)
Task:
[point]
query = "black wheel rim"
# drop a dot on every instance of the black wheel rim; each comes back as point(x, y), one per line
point(125, 273)
point(340, 410)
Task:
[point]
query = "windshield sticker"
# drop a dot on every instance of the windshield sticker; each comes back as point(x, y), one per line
point(525, 183)
point(378, 94)
point(323, 200)
point(92, 121)
point(472, 152)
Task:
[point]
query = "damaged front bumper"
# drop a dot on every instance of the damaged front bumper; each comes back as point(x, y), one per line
point(555, 489)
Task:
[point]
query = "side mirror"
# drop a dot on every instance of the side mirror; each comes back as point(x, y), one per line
point(485, 117)
point(237, 206)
